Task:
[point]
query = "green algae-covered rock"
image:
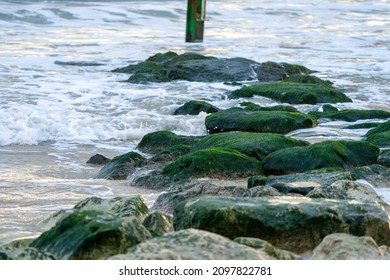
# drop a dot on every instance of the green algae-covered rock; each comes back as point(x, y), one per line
point(250, 106)
point(90, 235)
point(213, 162)
point(306, 79)
point(160, 141)
point(380, 135)
point(257, 145)
point(98, 160)
point(296, 224)
point(19, 250)
point(342, 246)
point(192, 244)
point(158, 223)
point(196, 67)
point(237, 119)
point(194, 107)
point(362, 125)
point(384, 158)
point(326, 154)
point(351, 115)
point(120, 167)
point(293, 93)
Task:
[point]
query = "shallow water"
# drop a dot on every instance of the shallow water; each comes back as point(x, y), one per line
point(60, 104)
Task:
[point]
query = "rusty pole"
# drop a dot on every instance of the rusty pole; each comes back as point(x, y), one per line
point(196, 13)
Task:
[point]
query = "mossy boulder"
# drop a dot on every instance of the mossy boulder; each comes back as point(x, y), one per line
point(293, 93)
point(380, 135)
point(19, 250)
point(98, 160)
point(213, 162)
point(194, 107)
point(384, 158)
point(257, 145)
point(120, 167)
point(363, 125)
point(351, 115)
point(377, 175)
point(237, 119)
point(250, 106)
point(192, 244)
point(326, 154)
point(158, 223)
point(166, 141)
point(165, 67)
point(295, 224)
point(306, 79)
point(91, 235)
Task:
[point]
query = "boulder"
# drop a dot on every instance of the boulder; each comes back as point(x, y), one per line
point(194, 107)
point(120, 167)
point(380, 135)
point(166, 67)
point(342, 246)
point(351, 115)
point(293, 93)
point(290, 223)
point(377, 175)
point(191, 244)
point(384, 158)
point(326, 154)
point(301, 183)
point(237, 119)
point(98, 160)
point(20, 250)
point(306, 79)
point(257, 145)
point(363, 125)
point(158, 223)
point(91, 235)
point(212, 162)
point(251, 107)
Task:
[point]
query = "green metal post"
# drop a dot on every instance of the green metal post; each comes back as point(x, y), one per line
point(196, 13)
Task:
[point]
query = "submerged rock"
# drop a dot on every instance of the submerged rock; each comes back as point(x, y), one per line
point(351, 115)
point(120, 167)
point(296, 224)
point(237, 119)
point(91, 235)
point(192, 244)
point(165, 67)
point(212, 162)
point(326, 154)
point(342, 246)
point(194, 107)
point(98, 160)
point(293, 93)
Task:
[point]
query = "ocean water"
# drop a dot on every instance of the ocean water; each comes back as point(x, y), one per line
point(60, 103)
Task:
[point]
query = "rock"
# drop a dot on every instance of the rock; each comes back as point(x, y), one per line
point(191, 244)
point(326, 154)
point(91, 235)
point(341, 246)
point(362, 125)
point(120, 167)
point(237, 119)
point(251, 107)
point(329, 108)
point(213, 162)
point(306, 79)
point(158, 223)
point(295, 224)
point(377, 175)
point(384, 158)
point(134, 206)
point(257, 145)
point(195, 67)
point(20, 250)
point(351, 115)
point(301, 183)
point(347, 190)
point(161, 141)
point(267, 248)
point(194, 107)
point(293, 93)
point(98, 160)
point(380, 135)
